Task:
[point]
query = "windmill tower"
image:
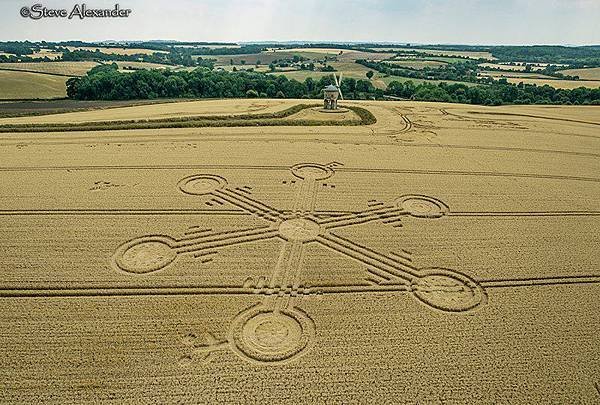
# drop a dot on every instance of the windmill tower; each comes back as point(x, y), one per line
point(331, 94)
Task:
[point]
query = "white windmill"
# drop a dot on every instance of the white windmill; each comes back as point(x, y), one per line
point(331, 94)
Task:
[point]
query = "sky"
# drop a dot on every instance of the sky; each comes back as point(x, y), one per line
point(514, 22)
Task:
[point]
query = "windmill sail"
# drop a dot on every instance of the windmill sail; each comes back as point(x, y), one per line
point(338, 83)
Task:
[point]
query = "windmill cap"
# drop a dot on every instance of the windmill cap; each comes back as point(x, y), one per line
point(331, 87)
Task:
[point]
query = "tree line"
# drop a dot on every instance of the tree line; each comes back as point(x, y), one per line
point(107, 83)
point(464, 71)
point(496, 93)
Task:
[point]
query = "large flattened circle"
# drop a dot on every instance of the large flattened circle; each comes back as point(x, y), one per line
point(311, 171)
point(145, 255)
point(422, 206)
point(299, 229)
point(201, 184)
point(267, 337)
point(447, 290)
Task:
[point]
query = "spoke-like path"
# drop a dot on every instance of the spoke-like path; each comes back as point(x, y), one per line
point(275, 329)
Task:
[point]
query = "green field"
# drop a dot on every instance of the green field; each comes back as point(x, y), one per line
point(379, 80)
point(26, 85)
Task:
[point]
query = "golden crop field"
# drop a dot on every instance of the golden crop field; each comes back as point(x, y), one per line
point(62, 68)
point(158, 111)
point(46, 53)
point(557, 83)
point(513, 74)
point(586, 74)
point(26, 85)
point(445, 254)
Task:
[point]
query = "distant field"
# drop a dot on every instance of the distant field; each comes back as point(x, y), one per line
point(46, 53)
point(558, 84)
point(260, 68)
point(531, 75)
point(387, 80)
point(25, 85)
point(62, 68)
point(376, 56)
point(352, 69)
point(417, 64)
point(117, 51)
point(516, 68)
point(347, 69)
point(352, 72)
point(268, 57)
point(208, 46)
point(327, 51)
point(472, 55)
point(357, 71)
point(341, 54)
point(142, 65)
point(251, 58)
point(587, 74)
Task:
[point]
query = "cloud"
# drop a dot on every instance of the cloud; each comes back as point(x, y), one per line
point(415, 21)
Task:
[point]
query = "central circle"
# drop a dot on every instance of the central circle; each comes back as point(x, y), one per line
point(271, 333)
point(299, 229)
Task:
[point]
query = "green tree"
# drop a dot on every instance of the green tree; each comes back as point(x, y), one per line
point(252, 93)
point(370, 74)
point(72, 85)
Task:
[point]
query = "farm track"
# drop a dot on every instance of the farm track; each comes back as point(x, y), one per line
point(345, 169)
point(445, 112)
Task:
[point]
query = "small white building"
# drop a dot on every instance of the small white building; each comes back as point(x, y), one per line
point(330, 97)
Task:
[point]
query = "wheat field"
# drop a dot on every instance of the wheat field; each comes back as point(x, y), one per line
point(584, 73)
point(557, 83)
point(446, 254)
point(60, 68)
